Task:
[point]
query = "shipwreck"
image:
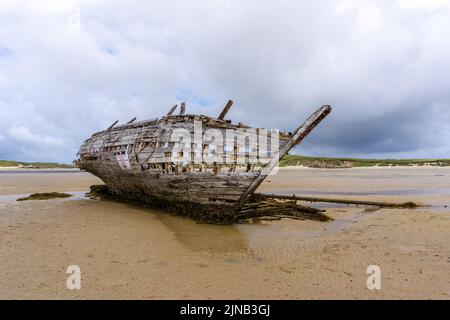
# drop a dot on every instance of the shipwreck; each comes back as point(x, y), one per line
point(197, 166)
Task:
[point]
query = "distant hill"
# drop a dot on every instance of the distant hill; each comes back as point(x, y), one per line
point(38, 165)
point(323, 162)
point(287, 161)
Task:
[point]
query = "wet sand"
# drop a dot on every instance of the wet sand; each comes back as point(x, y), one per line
point(126, 252)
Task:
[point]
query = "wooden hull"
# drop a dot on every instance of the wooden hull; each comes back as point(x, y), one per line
point(147, 162)
point(224, 188)
point(201, 196)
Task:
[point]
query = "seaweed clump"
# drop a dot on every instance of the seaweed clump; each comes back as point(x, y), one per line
point(98, 191)
point(45, 196)
point(256, 209)
point(203, 213)
point(259, 208)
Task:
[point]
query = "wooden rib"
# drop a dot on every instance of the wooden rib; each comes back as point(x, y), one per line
point(112, 126)
point(299, 135)
point(225, 110)
point(172, 110)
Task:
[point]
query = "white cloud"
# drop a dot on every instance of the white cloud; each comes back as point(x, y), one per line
point(23, 134)
point(423, 4)
point(374, 61)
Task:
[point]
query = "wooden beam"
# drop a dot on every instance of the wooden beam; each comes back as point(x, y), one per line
point(341, 201)
point(298, 136)
point(183, 108)
point(225, 110)
point(131, 121)
point(172, 110)
point(112, 126)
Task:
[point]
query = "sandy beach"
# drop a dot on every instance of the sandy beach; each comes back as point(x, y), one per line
point(126, 252)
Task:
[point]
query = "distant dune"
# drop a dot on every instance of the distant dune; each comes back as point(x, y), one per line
point(33, 165)
point(287, 161)
point(322, 162)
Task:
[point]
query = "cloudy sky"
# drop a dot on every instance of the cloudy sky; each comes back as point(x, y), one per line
point(69, 68)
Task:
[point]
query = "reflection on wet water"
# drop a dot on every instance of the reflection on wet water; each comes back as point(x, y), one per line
point(195, 236)
point(338, 225)
point(4, 198)
point(205, 237)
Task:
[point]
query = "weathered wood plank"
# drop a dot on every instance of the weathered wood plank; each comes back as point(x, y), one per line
point(341, 201)
point(225, 110)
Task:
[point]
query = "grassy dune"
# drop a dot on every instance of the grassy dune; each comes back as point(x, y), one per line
point(323, 162)
point(288, 160)
point(40, 165)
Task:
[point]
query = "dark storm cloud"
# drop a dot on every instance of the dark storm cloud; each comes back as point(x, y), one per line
point(70, 68)
point(403, 131)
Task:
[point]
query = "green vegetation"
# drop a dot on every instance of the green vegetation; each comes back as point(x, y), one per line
point(45, 196)
point(323, 162)
point(34, 165)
